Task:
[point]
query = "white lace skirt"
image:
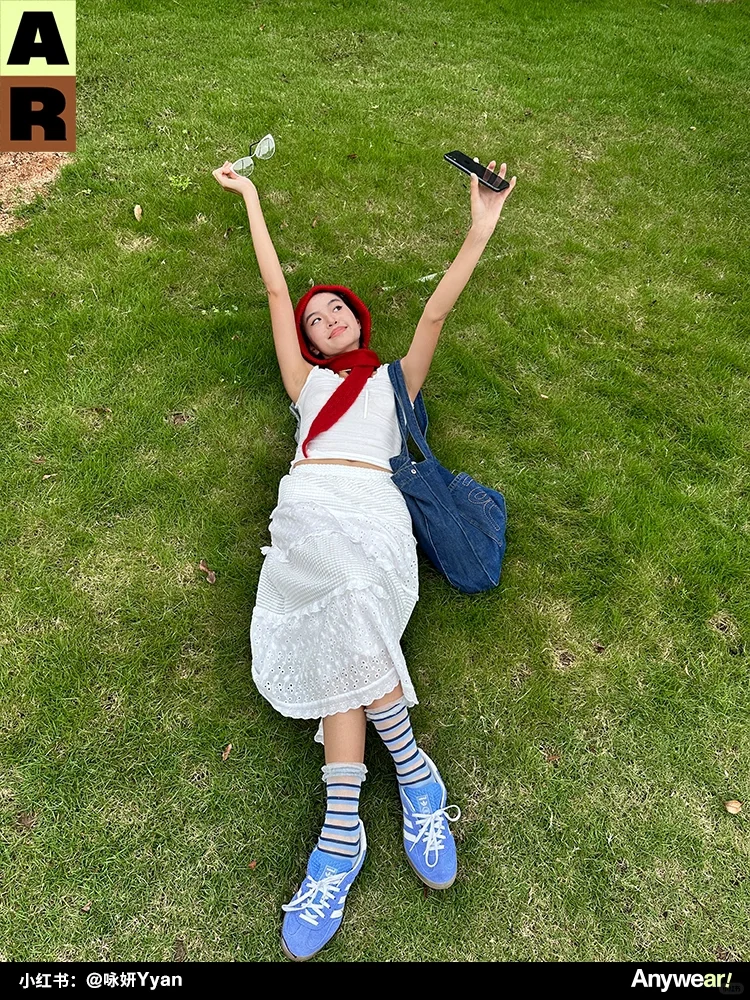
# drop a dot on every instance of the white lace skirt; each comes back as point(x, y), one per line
point(337, 587)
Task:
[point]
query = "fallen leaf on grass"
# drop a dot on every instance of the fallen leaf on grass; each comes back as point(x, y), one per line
point(226, 751)
point(210, 575)
point(733, 806)
point(49, 475)
point(252, 864)
point(314, 223)
point(86, 907)
point(180, 951)
point(138, 212)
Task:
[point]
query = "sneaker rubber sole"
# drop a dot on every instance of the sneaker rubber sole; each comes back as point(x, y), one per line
point(432, 885)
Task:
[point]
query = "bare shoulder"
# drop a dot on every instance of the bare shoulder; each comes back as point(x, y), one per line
point(296, 379)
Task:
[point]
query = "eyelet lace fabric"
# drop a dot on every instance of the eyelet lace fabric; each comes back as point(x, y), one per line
point(336, 590)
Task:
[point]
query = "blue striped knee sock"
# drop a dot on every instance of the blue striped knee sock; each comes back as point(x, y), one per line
point(340, 833)
point(394, 726)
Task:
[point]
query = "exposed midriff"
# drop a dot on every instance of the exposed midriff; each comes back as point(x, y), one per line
point(338, 461)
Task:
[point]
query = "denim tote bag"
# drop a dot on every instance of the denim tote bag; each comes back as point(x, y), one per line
point(459, 524)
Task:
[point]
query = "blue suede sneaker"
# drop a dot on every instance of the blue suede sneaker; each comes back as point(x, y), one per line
point(429, 843)
point(315, 913)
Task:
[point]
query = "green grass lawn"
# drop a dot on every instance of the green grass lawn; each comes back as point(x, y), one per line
point(590, 716)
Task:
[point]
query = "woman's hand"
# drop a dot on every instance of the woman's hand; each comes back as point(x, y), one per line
point(487, 205)
point(232, 181)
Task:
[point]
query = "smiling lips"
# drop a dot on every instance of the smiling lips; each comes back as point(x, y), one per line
point(336, 332)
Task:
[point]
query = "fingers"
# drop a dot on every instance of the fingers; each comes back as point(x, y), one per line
point(509, 189)
point(225, 173)
point(501, 173)
point(503, 167)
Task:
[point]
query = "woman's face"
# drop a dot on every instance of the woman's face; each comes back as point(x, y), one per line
point(331, 326)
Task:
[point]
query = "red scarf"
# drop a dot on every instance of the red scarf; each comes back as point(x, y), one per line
point(362, 362)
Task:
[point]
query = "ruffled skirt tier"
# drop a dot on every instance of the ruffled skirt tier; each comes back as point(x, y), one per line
point(336, 590)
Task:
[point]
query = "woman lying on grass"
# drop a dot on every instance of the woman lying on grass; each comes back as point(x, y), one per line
point(339, 581)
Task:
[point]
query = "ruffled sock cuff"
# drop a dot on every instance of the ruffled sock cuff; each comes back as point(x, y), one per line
point(354, 769)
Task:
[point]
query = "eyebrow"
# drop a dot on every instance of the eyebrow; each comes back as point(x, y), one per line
point(316, 313)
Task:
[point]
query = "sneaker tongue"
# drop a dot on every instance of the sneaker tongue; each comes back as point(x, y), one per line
point(425, 798)
point(321, 865)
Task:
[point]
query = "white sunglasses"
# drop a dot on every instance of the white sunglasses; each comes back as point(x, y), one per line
point(263, 148)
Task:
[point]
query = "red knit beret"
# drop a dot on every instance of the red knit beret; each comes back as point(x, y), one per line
point(356, 305)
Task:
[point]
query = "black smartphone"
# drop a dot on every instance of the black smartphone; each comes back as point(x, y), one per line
point(469, 166)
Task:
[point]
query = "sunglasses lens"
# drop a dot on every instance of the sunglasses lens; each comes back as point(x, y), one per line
point(244, 167)
point(266, 147)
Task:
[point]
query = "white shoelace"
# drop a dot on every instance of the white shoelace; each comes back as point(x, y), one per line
point(432, 829)
point(305, 898)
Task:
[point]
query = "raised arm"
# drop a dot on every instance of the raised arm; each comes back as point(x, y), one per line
point(486, 206)
point(294, 368)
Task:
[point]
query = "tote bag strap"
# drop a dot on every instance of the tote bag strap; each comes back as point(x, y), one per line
point(411, 421)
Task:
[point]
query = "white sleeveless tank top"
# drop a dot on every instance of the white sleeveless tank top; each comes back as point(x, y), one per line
point(367, 432)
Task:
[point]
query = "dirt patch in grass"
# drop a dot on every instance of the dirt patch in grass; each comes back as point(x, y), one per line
point(22, 177)
point(563, 659)
point(724, 625)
